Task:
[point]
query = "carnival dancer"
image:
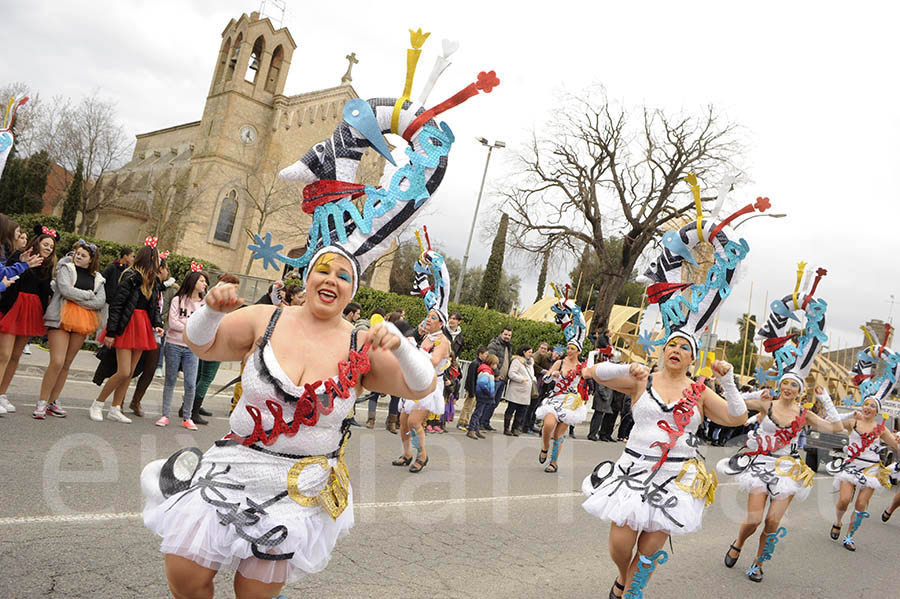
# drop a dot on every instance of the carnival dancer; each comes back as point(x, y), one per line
point(861, 471)
point(659, 487)
point(565, 405)
point(414, 412)
point(72, 315)
point(23, 305)
point(133, 326)
point(272, 497)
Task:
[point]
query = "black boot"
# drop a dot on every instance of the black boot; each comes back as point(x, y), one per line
point(196, 414)
point(506, 420)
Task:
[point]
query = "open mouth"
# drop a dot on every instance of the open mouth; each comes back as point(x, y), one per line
point(327, 296)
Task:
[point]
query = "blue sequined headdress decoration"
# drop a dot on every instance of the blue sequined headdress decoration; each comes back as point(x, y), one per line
point(362, 229)
point(436, 293)
point(794, 358)
point(569, 318)
point(867, 360)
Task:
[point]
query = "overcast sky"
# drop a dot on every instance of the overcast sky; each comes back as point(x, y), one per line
point(813, 84)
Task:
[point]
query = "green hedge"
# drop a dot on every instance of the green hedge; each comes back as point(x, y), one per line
point(179, 266)
point(479, 325)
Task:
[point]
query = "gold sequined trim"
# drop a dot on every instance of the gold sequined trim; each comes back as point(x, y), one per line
point(334, 497)
point(704, 484)
point(795, 469)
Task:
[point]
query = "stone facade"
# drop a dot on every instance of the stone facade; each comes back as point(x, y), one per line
point(203, 186)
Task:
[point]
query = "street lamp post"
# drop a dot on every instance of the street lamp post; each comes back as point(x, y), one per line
point(462, 271)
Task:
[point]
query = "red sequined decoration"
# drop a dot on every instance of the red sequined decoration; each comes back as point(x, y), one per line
point(308, 407)
point(866, 439)
point(769, 444)
point(681, 414)
point(565, 381)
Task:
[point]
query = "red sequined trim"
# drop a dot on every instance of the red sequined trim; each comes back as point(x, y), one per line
point(769, 444)
point(866, 439)
point(681, 414)
point(309, 407)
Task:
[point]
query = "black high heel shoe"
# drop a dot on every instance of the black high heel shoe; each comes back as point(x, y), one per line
point(731, 561)
point(616, 587)
point(835, 532)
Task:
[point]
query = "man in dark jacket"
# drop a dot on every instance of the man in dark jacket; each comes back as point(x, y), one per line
point(501, 347)
point(113, 272)
point(454, 334)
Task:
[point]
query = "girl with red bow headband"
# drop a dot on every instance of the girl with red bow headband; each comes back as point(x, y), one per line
point(23, 306)
point(132, 327)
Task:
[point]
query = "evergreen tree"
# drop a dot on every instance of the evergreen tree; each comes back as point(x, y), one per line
point(490, 282)
point(35, 182)
point(12, 186)
point(542, 278)
point(73, 199)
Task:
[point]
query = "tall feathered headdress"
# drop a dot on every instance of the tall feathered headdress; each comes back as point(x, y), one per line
point(794, 355)
point(569, 317)
point(437, 292)
point(687, 309)
point(6, 134)
point(867, 360)
point(329, 170)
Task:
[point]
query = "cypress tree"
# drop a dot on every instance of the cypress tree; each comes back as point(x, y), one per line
point(542, 278)
point(73, 200)
point(490, 282)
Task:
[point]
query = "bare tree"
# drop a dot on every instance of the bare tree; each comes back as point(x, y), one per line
point(270, 199)
point(170, 198)
point(597, 176)
point(27, 116)
point(90, 132)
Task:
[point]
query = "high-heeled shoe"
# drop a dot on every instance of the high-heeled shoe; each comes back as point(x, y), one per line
point(615, 587)
point(731, 561)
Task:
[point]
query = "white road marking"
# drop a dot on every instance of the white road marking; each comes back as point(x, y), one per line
point(75, 518)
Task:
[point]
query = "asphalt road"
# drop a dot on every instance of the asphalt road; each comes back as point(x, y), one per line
point(482, 519)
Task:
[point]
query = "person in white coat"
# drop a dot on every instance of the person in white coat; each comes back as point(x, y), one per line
point(518, 393)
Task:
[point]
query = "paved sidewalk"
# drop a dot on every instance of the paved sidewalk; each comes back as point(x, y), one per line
point(85, 364)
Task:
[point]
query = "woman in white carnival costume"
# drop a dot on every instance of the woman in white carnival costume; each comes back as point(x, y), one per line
point(660, 486)
point(861, 471)
point(273, 496)
point(436, 345)
point(565, 405)
point(769, 467)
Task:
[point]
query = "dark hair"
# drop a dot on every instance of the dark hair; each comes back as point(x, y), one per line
point(352, 307)
point(521, 351)
point(394, 316)
point(7, 236)
point(45, 270)
point(481, 349)
point(162, 264)
point(94, 264)
point(227, 277)
point(189, 282)
point(124, 251)
point(457, 316)
point(146, 263)
point(506, 329)
point(378, 311)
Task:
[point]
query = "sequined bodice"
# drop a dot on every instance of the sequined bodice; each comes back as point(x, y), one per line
point(871, 452)
point(648, 411)
point(322, 438)
point(768, 428)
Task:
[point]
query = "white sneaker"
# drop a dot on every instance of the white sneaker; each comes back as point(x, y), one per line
point(115, 413)
point(158, 372)
point(96, 411)
point(40, 410)
point(2, 410)
point(7, 407)
point(27, 349)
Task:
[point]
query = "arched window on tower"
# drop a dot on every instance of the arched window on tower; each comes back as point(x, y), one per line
point(274, 70)
point(227, 213)
point(233, 57)
point(222, 67)
point(256, 56)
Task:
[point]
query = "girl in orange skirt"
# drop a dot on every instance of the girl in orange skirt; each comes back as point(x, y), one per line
point(73, 313)
point(131, 328)
point(24, 303)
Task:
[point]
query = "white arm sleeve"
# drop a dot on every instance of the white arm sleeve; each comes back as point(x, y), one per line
point(605, 371)
point(831, 412)
point(752, 395)
point(202, 326)
point(736, 405)
point(415, 366)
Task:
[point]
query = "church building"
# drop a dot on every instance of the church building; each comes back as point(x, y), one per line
point(203, 187)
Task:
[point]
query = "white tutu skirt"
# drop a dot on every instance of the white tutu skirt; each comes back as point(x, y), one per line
point(777, 476)
point(622, 492)
point(433, 402)
point(555, 405)
point(862, 475)
point(237, 513)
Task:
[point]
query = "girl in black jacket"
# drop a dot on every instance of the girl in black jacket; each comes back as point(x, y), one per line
point(132, 327)
point(23, 306)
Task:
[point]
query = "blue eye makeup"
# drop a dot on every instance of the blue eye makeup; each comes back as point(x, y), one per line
point(345, 277)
